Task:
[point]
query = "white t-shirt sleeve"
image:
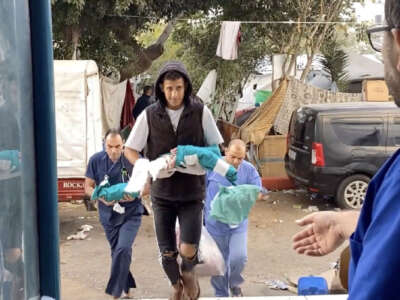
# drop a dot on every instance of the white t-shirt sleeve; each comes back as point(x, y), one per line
point(140, 132)
point(211, 132)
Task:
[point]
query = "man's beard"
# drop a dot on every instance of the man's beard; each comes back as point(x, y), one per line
point(392, 75)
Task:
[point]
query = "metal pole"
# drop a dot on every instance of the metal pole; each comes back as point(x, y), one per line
point(45, 147)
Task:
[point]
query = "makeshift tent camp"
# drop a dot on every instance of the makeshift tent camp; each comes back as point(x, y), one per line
point(82, 117)
point(276, 112)
point(78, 115)
point(267, 152)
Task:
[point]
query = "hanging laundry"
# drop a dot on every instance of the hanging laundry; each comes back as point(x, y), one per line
point(229, 39)
point(129, 103)
point(113, 96)
point(207, 89)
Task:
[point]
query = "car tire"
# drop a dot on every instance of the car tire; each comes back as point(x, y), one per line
point(351, 191)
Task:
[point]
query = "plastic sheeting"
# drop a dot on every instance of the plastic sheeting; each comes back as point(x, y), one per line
point(78, 115)
point(19, 270)
point(207, 89)
point(299, 93)
point(276, 112)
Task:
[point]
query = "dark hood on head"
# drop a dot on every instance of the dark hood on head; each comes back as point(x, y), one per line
point(173, 66)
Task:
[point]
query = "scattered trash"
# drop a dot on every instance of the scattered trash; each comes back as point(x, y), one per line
point(301, 191)
point(80, 235)
point(337, 209)
point(334, 265)
point(81, 218)
point(76, 201)
point(265, 198)
point(275, 202)
point(276, 285)
point(262, 226)
point(278, 221)
point(86, 228)
point(311, 208)
point(291, 192)
point(297, 206)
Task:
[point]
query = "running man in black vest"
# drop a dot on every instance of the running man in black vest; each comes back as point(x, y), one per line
point(176, 118)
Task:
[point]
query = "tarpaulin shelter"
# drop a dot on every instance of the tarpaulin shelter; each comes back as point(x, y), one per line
point(276, 112)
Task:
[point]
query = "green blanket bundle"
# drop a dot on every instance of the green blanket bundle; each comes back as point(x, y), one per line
point(110, 193)
point(208, 157)
point(232, 204)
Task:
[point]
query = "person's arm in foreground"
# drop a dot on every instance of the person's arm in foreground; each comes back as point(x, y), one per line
point(137, 139)
point(324, 232)
point(375, 245)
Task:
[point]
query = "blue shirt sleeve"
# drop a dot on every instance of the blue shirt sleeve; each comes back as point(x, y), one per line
point(254, 177)
point(375, 245)
point(90, 172)
point(212, 188)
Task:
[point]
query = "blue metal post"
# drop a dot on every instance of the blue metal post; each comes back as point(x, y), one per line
point(45, 147)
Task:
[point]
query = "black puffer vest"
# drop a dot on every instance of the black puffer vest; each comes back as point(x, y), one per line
point(162, 138)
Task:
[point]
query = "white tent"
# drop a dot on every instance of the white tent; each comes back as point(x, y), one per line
point(364, 67)
point(78, 115)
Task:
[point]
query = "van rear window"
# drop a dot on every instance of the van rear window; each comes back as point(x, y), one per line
point(360, 131)
point(302, 127)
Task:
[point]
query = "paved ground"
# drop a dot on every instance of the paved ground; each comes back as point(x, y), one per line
point(85, 263)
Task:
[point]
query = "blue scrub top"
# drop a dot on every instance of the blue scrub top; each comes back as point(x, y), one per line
point(246, 174)
point(375, 245)
point(101, 165)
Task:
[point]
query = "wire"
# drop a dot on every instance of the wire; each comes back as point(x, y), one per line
point(243, 22)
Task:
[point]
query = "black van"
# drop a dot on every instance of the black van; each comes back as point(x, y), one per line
point(335, 149)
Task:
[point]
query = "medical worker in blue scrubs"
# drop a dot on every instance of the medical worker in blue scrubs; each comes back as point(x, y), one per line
point(375, 231)
point(231, 240)
point(120, 229)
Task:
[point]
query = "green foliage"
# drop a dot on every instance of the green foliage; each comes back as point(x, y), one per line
point(259, 40)
point(101, 31)
point(334, 62)
point(172, 50)
point(200, 40)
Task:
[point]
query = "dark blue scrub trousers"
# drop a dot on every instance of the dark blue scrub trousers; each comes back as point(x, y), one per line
point(121, 230)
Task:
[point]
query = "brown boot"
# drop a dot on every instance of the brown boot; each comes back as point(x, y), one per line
point(177, 292)
point(191, 287)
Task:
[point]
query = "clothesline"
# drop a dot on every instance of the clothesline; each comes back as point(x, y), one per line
point(244, 22)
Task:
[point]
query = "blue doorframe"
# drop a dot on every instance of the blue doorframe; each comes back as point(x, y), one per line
point(45, 147)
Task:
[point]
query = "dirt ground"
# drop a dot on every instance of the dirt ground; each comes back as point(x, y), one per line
point(85, 264)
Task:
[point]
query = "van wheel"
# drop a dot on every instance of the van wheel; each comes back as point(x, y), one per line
point(352, 191)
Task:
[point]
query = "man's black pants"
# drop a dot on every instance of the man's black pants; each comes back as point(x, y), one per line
point(190, 216)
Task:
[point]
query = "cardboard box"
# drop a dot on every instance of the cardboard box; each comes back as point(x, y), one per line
point(271, 154)
point(375, 90)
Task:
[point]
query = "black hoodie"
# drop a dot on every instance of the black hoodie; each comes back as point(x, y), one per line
point(162, 138)
point(173, 66)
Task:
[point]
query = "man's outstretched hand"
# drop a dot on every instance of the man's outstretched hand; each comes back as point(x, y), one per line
point(322, 234)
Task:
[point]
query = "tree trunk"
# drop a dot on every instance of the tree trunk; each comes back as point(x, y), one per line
point(146, 56)
point(76, 34)
point(310, 59)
